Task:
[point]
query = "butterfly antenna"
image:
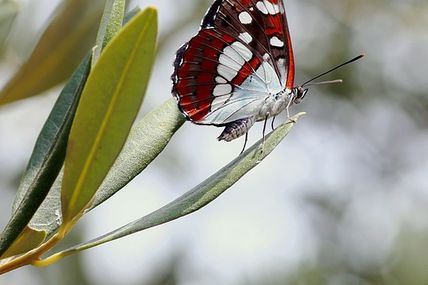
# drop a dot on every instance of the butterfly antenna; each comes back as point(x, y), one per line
point(331, 70)
point(325, 82)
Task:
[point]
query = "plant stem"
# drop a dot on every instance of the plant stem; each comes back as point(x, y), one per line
point(31, 256)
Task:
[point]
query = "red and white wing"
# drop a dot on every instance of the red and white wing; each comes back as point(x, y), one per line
point(241, 55)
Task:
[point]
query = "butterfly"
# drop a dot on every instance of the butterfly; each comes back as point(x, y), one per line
point(239, 68)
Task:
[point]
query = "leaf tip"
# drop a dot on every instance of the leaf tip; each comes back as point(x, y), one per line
point(297, 116)
point(152, 10)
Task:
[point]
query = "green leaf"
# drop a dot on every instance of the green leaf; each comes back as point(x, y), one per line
point(47, 157)
point(109, 104)
point(147, 139)
point(202, 194)
point(111, 23)
point(48, 217)
point(60, 49)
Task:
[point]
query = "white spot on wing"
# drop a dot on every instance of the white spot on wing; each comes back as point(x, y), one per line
point(267, 7)
point(222, 89)
point(282, 69)
point(274, 41)
point(246, 37)
point(226, 72)
point(266, 57)
point(220, 79)
point(232, 59)
point(243, 50)
point(245, 18)
point(272, 8)
point(262, 7)
point(230, 63)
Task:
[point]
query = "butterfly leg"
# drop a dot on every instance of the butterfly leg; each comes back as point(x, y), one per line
point(264, 128)
point(272, 124)
point(264, 132)
point(287, 109)
point(290, 102)
point(245, 143)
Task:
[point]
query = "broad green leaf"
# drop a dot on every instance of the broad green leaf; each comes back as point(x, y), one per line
point(47, 157)
point(60, 49)
point(109, 104)
point(27, 240)
point(147, 139)
point(8, 11)
point(202, 194)
point(111, 23)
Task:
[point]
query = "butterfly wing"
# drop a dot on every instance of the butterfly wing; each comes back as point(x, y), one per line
point(241, 55)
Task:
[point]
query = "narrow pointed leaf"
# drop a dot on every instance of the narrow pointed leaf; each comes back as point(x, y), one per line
point(47, 157)
point(111, 23)
point(115, 22)
point(48, 217)
point(202, 194)
point(60, 49)
point(109, 104)
point(147, 139)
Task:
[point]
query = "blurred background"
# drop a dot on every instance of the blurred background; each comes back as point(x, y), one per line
point(342, 200)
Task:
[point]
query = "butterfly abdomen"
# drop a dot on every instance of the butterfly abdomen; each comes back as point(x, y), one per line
point(235, 129)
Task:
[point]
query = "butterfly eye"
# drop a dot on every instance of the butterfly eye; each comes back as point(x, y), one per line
point(299, 94)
